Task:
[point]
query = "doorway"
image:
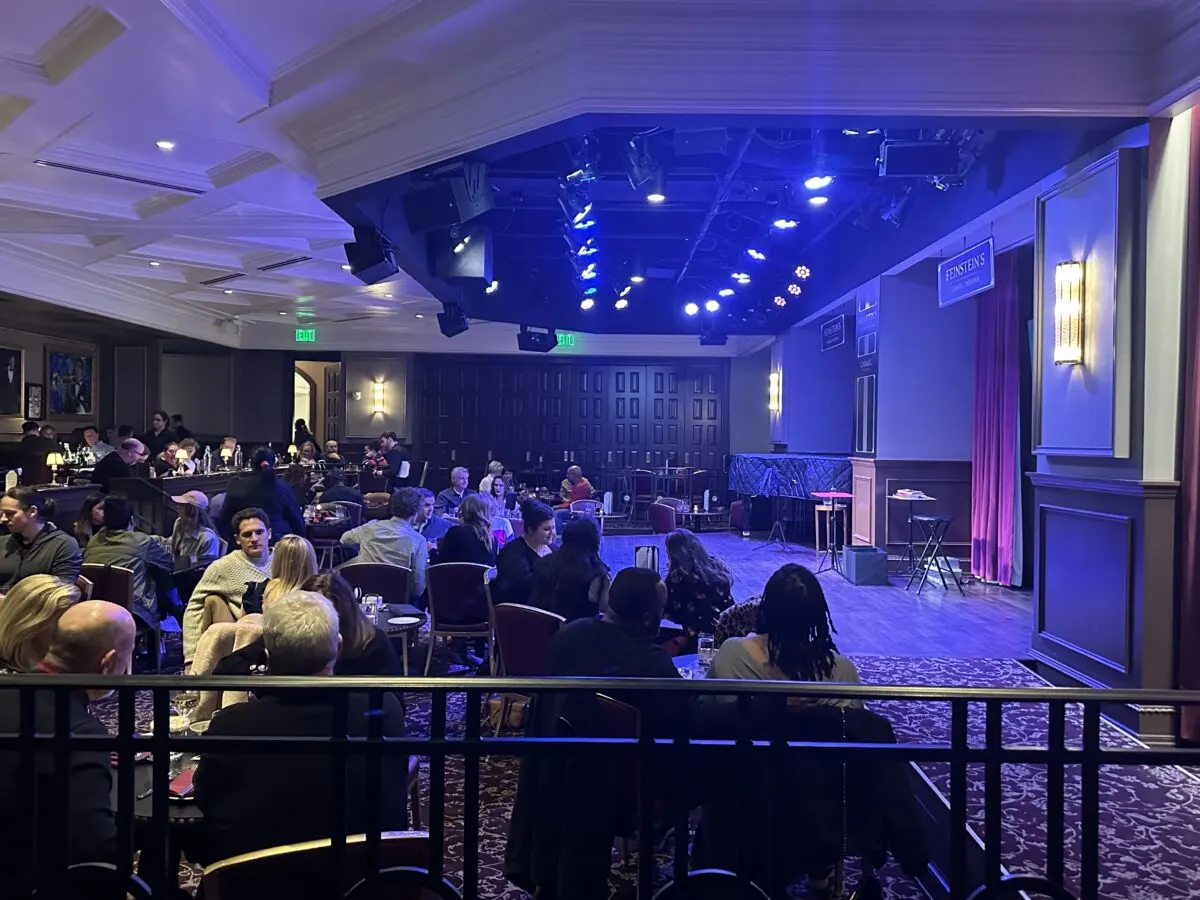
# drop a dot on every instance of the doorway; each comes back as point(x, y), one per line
point(317, 393)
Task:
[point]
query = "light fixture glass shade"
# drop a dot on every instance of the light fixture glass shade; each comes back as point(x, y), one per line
point(54, 459)
point(292, 450)
point(1068, 313)
point(377, 397)
point(226, 453)
point(181, 454)
point(774, 394)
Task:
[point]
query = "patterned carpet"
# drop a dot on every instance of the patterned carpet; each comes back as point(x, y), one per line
point(1150, 848)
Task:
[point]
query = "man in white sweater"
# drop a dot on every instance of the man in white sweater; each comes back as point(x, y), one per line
point(218, 596)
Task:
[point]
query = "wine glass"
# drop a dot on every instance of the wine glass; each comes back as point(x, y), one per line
point(185, 704)
point(706, 649)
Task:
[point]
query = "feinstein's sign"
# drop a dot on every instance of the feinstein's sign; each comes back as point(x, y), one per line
point(966, 274)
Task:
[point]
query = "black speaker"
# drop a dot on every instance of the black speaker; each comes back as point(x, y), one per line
point(370, 257)
point(536, 341)
point(448, 201)
point(452, 320)
point(918, 159)
point(462, 254)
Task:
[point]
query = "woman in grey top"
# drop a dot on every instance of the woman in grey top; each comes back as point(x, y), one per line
point(794, 640)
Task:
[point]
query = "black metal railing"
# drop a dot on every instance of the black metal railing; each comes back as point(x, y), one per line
point(962, 817)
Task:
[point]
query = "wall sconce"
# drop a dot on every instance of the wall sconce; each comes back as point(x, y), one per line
point(377, 397)
point(774, 392)
point(1068, 313)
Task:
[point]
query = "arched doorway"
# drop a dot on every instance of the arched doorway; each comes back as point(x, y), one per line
point(305, 402)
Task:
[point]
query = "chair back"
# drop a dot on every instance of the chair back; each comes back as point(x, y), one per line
point(662, 518)
point(377, 504)
point(523, 635)
point(85, 587)
point(643, 482)
point(302, 871)
point(370, 482)
point(618, 719)
point(424, 472)
point(587, 507)
point(674, 502)
point(458, 595)
point(353, 511)
point(111, 583)
point(222, 547)
point(392, 583)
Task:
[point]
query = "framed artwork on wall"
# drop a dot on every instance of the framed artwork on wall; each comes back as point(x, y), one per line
point(35, 406)
point(71, 382)
point(12, 371)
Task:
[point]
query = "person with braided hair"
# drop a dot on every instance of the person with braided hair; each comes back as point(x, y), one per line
point(794, 638)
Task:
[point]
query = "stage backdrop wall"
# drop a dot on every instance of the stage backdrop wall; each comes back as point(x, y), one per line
point(817, 414)
point(749, 418)
point(598, 413)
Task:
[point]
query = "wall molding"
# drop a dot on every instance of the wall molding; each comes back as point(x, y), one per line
point(1121, 486)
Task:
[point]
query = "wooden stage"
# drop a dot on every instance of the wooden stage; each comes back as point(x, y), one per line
point(990, 622)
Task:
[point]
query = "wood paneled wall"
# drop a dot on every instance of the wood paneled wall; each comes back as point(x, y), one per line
point(597, 413)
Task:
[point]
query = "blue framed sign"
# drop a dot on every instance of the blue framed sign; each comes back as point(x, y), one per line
point(833, 333)
point(966, 274)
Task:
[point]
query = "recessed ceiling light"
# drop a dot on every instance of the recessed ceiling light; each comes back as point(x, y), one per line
point(387, 296)
point(282, 313)
point(817, 201)
point(420, 315)
point(228, 291)
point(656, 197)
point(636, 279)
point(155, 263)
point(165, 145)
point(347, 268)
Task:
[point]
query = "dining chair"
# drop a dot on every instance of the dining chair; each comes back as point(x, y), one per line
point(643, 489)
point(523, 634)
point(392, 583)
point(302, 871)
point(662, 518)
point(115, 584)
point(459, 604)
point(85, 587)
point(376, 504)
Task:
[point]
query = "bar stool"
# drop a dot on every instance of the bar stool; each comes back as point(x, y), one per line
point(833, 512)
point(934, 528)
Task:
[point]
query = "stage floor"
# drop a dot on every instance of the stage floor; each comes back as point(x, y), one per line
point(989, 622)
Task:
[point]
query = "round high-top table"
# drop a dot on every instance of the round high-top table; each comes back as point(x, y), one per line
point(831, 508)
point(910, 551)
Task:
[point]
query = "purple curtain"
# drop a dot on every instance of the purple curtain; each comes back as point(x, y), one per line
point(994, 455)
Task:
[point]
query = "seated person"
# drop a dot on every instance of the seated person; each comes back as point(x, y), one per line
point(428, 524)
point(366, 649)
point(494, 468)
point(164, 463)
point(572, 581)
point(187, 466)
point(449, 500)
point(332, 458)
point(94, 447)
point(193, 539)
point(29, 617)
point(794, 639)
point(698, 588)
point(574, 487)
point(394, 541)
point(308, 454)
point(471, 540)
point(90, 520)
point(93, 638)
point(283, 797)
point(218, 597)
point(261, 489)
point(502, 500)
point(336, 489)
point(117, 544)
point(34, 545)
point(516, 560)
point(118, 464)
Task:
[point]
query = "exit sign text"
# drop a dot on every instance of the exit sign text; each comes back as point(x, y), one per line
point(566, 339)
point(306, 335)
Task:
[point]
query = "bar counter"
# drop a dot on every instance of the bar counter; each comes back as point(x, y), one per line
point(151, 497)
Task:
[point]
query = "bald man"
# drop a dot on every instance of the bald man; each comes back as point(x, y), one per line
point(93, 638)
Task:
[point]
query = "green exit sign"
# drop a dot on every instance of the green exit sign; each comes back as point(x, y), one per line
point(566, 339)
point(306, 335)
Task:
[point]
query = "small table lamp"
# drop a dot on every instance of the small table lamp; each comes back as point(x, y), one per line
point(292, 451)
point(226, 455)
point(181, 458)
point(54, 460)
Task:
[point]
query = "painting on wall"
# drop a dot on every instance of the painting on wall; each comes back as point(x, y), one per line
point(70, 375)
point(34, 405)
point(11, 374)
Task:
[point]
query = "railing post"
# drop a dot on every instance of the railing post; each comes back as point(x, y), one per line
point(958, 800)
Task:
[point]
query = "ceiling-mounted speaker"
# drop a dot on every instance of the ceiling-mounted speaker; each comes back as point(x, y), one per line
point(536, 341)
point(450, 200)
point(918, 159)
point(452, 320)
point(370, 256)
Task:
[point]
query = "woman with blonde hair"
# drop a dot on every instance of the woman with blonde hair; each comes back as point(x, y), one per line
point(293, 562)
point(471, 539)
point(29, 615)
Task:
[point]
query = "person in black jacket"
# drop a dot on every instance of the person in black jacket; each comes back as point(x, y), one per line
point(93, 638)
point(471, 540)
point(395, 456)
point(516, 560)
point(366, 649)
point(261, 488)
point(573, 580)
point(282, 798)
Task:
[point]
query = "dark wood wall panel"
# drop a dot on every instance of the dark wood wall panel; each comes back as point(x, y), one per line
point(600, 414)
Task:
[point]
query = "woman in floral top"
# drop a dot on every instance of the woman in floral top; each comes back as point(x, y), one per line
point(698, 587)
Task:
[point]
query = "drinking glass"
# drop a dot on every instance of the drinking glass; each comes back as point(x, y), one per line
point(185, 704)
point(370, 607)
point(706, 649)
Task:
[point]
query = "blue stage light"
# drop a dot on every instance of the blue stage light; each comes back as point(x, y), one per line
point(711, 305)
point(621, 303)
point(726, 292)
point(818, 201)
point(756, 254)
point(587, 303)
point(817, 182)
point(785, 224)
point(691, 309)
point(589, 272)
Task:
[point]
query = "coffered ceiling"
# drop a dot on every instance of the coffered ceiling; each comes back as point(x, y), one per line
point(164, 162)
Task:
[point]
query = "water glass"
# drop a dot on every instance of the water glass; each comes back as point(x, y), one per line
point(185, 703)
point(706, 649)
point(370, 607)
